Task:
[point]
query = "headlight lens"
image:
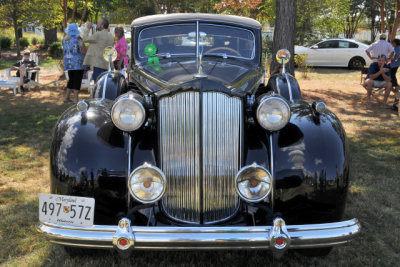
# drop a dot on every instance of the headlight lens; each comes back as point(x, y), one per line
point(147, 184)
point(273, 113)
point(253, 183)
point(128, 113)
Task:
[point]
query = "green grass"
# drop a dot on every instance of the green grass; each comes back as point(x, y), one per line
point(26, 124)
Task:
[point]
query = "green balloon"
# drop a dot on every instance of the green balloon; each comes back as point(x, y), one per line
point(150, 50)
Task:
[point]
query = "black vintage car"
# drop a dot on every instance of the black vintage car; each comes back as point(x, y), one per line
point(194, 151)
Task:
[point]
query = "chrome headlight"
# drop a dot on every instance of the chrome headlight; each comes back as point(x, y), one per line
point(147, 183)
point(273, 113)
point(128, 113)
point(253, 183)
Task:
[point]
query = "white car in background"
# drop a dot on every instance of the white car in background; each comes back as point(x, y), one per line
point(335, 53)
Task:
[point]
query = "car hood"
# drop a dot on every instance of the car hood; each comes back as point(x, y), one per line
point(233, 74)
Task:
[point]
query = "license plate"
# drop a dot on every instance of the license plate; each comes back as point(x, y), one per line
point(70, 210)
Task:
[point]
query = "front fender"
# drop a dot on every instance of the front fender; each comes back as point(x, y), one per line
point(311, 166)
point(89, 158)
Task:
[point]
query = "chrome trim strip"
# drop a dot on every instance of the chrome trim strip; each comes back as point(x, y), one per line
point(105, 85)
point(271, 155)
point(129, 164)
point(197, 238)
point(289, 87)
point(197, 45)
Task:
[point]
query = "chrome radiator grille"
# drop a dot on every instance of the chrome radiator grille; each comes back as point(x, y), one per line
point(200, 149)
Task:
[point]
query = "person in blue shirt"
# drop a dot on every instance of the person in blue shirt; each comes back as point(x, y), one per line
point(73, 60)
point(378, 77)
point(394, 65)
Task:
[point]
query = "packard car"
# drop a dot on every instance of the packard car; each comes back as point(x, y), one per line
point(193, 150)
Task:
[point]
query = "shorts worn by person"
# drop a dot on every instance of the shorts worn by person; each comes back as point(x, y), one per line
point(378, 76)
point(98, 42)
point(22, 67)
point(73, 60)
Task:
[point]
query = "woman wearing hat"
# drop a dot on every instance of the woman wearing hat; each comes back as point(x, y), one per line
point(73, 59)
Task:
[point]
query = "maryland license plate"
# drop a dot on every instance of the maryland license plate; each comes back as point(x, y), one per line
point(69, 210)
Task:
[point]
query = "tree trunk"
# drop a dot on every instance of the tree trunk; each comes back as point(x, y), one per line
point(20, 32)
point(84, 12)
point(15, 23)
point(372, 28)
point(396, 21)
point(74, 11)
point(50, 36)
point(284, 34)
point(382, 11)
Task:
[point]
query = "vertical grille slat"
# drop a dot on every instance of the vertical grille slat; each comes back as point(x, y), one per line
point(181, 135)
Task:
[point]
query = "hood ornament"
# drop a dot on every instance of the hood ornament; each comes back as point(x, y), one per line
point(200, 73)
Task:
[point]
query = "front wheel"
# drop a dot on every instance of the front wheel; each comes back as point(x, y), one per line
point(356, 63)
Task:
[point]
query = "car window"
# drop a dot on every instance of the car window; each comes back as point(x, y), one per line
point(180, 39)
point(344, 44)
point(353, 45)
point(329, 44)
point(171, 39)
point(223, 39)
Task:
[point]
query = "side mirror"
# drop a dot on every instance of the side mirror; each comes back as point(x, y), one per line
point(283, 56)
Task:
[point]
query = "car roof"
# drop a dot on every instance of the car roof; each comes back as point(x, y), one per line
point(195, 16)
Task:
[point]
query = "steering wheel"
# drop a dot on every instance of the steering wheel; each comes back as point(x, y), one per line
point(224, 48)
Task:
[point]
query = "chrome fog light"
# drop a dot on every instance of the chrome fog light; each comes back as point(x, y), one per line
point(273, 113)
point(128, 113)
point(147, 184)
point(253, 183)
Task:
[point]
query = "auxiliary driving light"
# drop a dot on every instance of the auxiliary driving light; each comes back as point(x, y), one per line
point(147, 184)
point(253, 183)
point(273, 113)
point(128, 113)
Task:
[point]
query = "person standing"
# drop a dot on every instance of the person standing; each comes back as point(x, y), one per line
point(73, 61)
point(121, 47)
point(394, 65)
point(380, 47)
point(98, 42)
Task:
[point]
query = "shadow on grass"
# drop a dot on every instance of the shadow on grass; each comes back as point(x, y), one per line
point(29, 119)
point(355, 100)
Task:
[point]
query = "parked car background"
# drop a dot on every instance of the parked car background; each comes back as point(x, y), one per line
point(335, 53)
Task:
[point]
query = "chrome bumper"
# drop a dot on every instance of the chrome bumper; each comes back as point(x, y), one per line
point(277, 237)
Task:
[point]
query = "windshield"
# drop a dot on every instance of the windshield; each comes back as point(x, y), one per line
point(180, 40)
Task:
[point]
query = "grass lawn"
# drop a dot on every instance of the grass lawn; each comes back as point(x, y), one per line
point(26, 123)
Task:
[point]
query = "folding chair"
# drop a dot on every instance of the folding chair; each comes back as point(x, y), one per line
point(375, 90)
point(34, 82)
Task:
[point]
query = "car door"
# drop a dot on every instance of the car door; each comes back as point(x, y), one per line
point(347, 50)
point(322, 54)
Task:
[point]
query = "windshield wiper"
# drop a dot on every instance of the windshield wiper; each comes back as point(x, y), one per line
point(223, 55)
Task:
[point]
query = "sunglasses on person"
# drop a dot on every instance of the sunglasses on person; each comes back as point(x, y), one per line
point(382, 56)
